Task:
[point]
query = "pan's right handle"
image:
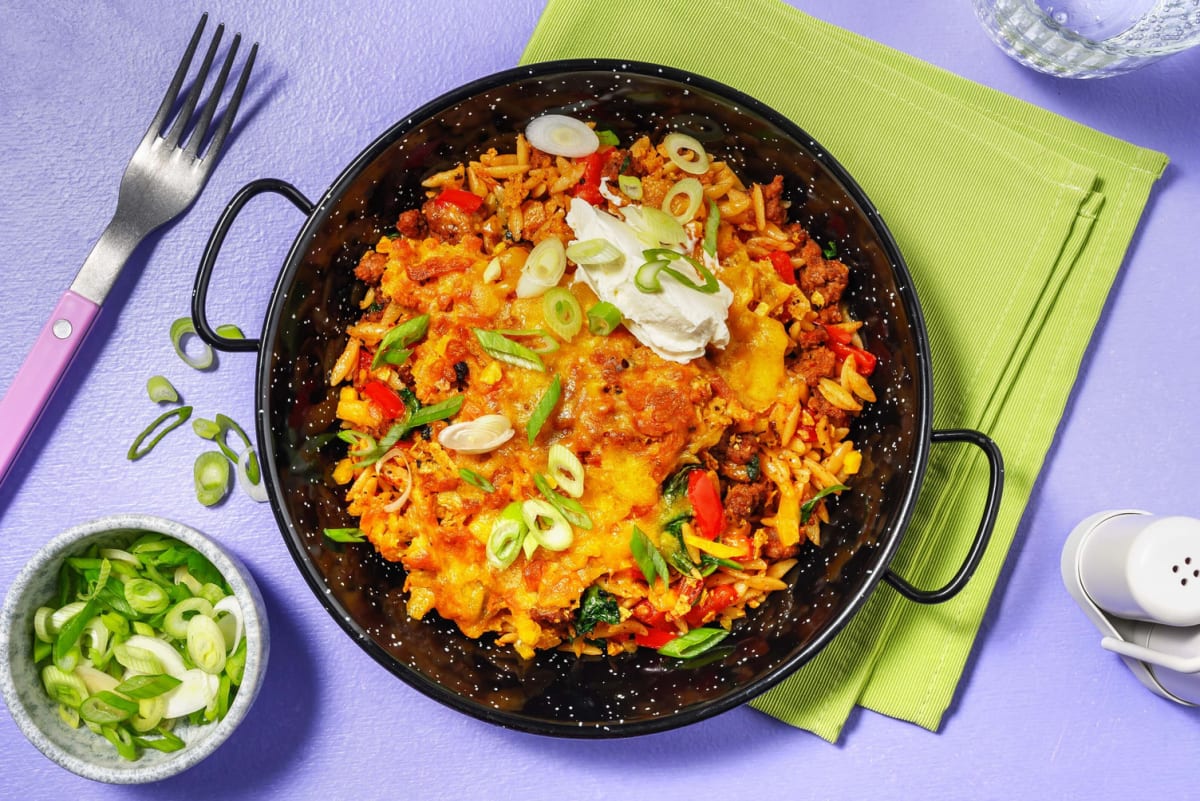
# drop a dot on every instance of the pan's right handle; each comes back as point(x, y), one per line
point(204, 273)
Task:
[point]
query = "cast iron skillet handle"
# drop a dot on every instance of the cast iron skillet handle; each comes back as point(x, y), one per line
point(204, 274)
point(990, 510)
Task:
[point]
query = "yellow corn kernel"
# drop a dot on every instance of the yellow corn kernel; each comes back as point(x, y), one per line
point(852, 463)
point(491, 374)
point(343, 472)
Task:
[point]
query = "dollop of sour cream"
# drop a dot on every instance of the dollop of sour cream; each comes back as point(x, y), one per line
point(677, 323)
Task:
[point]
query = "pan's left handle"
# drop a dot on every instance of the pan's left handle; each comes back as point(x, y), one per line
point(991, 509)
point(204, 273)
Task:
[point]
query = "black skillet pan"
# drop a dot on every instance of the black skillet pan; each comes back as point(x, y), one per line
point(316, 297)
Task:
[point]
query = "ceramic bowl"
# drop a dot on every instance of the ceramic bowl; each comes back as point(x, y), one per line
point(79, 750)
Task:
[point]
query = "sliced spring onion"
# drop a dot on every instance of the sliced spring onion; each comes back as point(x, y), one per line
point(662, 227)
point(693, 193)
point(540, 340)
point(596, 251)
point(712, 224)
point(346, 534)
point(206, 644)
point(230, 331)
point(393, 348)
point(608, 137)
point(543, 410)
point(647, 277)
point(64, 687)
point(247, 465)
point(225, 425)
point(210, 474)
point(175, 623)
point(434, 412)
point(505, 350)
point(631, 185)
point(809, 506)
point(481, 435)
point(678, 145)
point(476, 480)
point(160, 390)
point(180, 330)
point(543, 268)
point(547, 526)
point(566, 470)
point(507, 536)
point(562, 311)
point(571, 509)
point(146, 597)
point(693, 643)
point(830, 250)
point(647, 557)
point(169, 421)
point(383, 467)
point(228, 614)
point(560, 135)
point(603, 318)
point(205, 428)
point(146, 686)
point(107, 707)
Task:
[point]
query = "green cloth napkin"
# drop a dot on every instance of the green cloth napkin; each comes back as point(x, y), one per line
point(1013, 222)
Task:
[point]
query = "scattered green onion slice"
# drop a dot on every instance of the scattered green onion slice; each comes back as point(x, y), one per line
point(596, 251)
point(543, 268)
point(693, 643)
point(662, 226)
point(566, 470)
point(711, 226)
point(560, 135)
point(181, 329)
point(145, 686)
point(830, 250)
point(505, 350)
point(433, 412)
point(647, 277)
point(64, 687)
point(249, 476)
point(507, 536)
point(160, 390)
point(608, 137)
point(571, 509)
point(563, 312)
point(647, 557)
point(346, 534)
point(175, 623)
point(547, 526)
point(540, 340)
point(230, 331)
point(690, 189)
point(205, 428)
point(476, 480)
point(169, 421)
point(210, 475)
point(603, 318)
point(677, 145)
point(393, 348)
point(809, 506)
point(543, 410)
point(631, 185)
point(482, 435)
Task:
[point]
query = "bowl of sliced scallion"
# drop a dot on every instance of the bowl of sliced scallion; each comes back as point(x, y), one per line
point(131, 647)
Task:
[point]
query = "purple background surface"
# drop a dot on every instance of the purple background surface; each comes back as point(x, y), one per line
point(1041, 711)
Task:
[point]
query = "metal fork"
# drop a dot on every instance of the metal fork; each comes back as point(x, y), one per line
point(164, 176)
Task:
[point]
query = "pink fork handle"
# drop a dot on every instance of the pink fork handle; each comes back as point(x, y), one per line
point(39, 375)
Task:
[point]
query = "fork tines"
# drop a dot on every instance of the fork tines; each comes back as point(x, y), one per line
point(199, 129)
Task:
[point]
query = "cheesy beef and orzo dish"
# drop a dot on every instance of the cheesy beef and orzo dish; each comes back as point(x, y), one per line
point(599, 394)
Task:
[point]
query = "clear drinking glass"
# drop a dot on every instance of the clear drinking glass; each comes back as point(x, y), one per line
point(1090, 38)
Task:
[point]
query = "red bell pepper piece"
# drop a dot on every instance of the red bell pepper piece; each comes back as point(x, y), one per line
point(655, 638)
point(384, 397)
point(839, 342)
point(717, 599)
point(782, 262)
point(706, 504)
point(593, 170)
point(467, 201)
